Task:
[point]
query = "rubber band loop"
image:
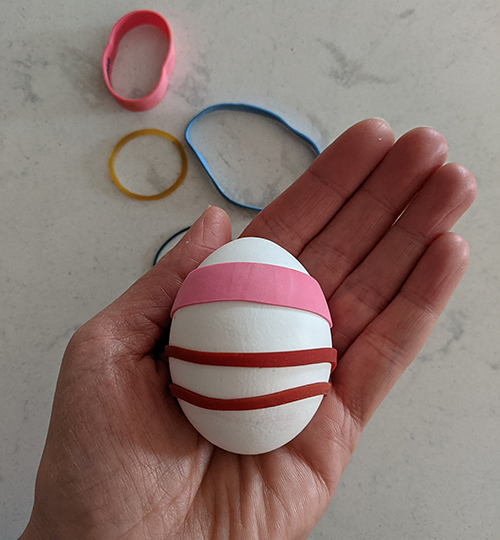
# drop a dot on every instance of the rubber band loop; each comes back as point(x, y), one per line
point(158, 255)
point(123, 26)
point(252, 282)
point(141, 133)
point(255, 360)
point(241, 107)
point(251, 403)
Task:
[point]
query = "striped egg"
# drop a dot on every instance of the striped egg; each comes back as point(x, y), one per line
point(250, 350)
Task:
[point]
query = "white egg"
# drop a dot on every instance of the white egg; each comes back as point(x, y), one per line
point(249, 327)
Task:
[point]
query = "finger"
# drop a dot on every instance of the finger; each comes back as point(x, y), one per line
point(366, 217)
point(379, 356)
point(299, 213)
point(138, 318)
point(368, 290)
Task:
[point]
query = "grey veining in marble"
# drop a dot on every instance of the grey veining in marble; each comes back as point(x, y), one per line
point(428, 465)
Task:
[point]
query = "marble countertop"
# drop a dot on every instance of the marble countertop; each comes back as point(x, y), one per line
point(428, 465)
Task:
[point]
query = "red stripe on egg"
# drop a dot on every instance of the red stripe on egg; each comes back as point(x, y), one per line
point(250, 403)
point(256, 360)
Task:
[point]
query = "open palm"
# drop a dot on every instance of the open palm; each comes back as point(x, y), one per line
point(369, 220)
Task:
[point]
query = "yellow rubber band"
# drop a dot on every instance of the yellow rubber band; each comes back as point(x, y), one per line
point(141, 133)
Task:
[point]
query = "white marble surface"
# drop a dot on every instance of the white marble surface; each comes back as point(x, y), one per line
point(428, 465)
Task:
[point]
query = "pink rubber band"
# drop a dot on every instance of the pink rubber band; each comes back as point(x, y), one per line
point(124, 25)
point(253, 282)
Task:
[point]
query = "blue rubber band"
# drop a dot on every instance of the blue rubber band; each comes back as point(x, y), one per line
point(242, 107)
point(173, 237)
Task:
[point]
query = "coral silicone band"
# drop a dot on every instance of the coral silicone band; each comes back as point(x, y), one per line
point(253, 282)
point(251, 403)
point(255, 360)
point(124, 25)
point(142, 133)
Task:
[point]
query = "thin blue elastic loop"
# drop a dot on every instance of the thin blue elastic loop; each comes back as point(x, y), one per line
point(242, 107)
point(173, 237)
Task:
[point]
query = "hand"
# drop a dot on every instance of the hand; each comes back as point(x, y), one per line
point(122, 462)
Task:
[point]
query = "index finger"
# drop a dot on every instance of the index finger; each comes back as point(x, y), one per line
point(307, 206)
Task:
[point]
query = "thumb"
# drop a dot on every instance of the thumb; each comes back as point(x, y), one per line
point(138, 318)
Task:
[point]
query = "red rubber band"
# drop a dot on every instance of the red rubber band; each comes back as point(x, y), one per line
point(125, 24)
point(251, 403)
point(255, 360)
point(253, 282)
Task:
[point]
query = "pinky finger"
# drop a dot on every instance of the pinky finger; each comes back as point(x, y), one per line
point(382, 352)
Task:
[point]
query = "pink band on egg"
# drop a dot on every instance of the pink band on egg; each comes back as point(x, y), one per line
point(251, 403)
point(256, 360)
point(253, 282)
point(124, 25)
